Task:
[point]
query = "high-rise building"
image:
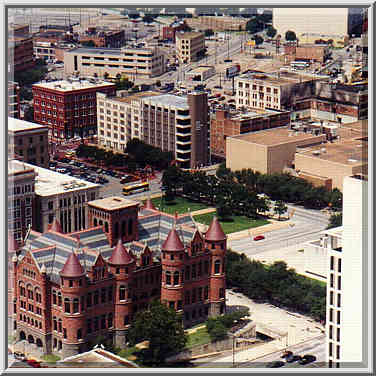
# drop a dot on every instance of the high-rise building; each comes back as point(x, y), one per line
point(28, 141)
point(190, 46)
point(13, 100)
point(347, 256)
point(68, 107)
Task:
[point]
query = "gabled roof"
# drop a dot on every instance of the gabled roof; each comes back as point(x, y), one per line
point(173, 242)
point(120, 255)
point(215, 232)
point(72, 267)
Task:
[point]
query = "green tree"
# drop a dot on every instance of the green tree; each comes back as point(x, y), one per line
point(106, 75)
point(25, 94)
point(88, 43)
point(162, 327)
point(271, 32)
point(148, 18)
point(209, 32)
point(158, 83)
point(290, 35)
point(29, 114)
point(258, 40)
point(254, 26)
point(218, 332)
point(335, 220)
point(280, 208)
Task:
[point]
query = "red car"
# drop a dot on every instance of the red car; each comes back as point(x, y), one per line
point(33, 363)
point(259, 237)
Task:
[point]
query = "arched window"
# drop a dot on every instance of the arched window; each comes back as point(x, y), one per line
point(187, 273)
point(96, 297)
point(30, 294)
point(38, 295)
point(217, 265)
point(79, 333)
point(59, 299)
point(22, 289)
point(75, 305)
point(60, 325)
point(54, 297)
point(168, 278)
point(206, 292)
point(100, 222)
point(176, 278)
point(110, 320)
point(116, 230)
point(66, 305)
point(55, 323)
point(130, 226)
point(106, 226)
point(122, 293)
point(206, 266)
point(95, 222)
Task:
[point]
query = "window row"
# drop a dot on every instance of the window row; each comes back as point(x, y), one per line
point(99, 322)
point(197, 294)
point(30, 321)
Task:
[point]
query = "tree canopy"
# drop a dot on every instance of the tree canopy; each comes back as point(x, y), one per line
point(88, 43)
point(271, 32)
point(162, 327)
point(290, 35)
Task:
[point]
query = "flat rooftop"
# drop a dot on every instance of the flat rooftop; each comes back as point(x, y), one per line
point(200, 69)
point(65, 85)
point(16, 167)
point(252, 113)
point(48, 183)
point(130, 98)
point(113, 203)
point(276, 136)
point(188, 35)
point(17, 125)
point(348, 152)
point(273, 78)
point(109, 51)
point(170, 100)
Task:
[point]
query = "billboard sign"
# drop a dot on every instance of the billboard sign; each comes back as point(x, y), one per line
point(232, 71)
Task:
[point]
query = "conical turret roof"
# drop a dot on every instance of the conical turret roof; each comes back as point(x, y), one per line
point(56, 226)
point(215, 232)
point(173, 242)
point(149, 204)
point(12, 243)
point(72, 267)
point(120, 255)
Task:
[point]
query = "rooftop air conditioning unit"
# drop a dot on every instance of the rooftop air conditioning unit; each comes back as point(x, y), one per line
point(316, 152)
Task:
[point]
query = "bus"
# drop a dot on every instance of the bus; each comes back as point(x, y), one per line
point(130, 189)
point(299, 64)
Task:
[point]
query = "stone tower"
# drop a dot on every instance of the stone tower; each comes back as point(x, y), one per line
point(215, 242)
point(122, 265)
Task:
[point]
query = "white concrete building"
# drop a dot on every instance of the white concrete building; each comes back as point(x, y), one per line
point(61, 196)
point(346, 285)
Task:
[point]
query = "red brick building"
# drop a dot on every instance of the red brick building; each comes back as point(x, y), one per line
point(103, 38)
point(69, 107)
point(232, 123)
point(70, 288)
point(169, 32)
point(20, 53)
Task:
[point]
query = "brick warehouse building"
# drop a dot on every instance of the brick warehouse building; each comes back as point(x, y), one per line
point(69, 107)
point(70, 288)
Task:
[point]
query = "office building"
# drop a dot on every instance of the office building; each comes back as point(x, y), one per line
point(219, 23)
point(71, 288)
point(346, 285)
point(68, 107)
point(61, 196)
point(111, 62)
point(13, 100)
point(21, 200)
point(20, 53)
point(224, 123)
point(28, 141)
point(190, 46)
point(169, 122)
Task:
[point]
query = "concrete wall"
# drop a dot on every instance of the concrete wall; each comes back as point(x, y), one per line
point(315, 261)
point(241, 154)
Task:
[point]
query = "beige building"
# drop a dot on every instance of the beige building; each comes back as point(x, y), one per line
point(218, 23)
point(310, 24)
point(267, 151)
point(28, 141)
point(272, 90)
point(172, 123)
point(62, 196)
point(189, 46)
point(203, 72)
point(103, 62)
point(120, 119)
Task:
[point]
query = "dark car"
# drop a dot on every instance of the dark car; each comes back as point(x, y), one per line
point(293, 358)
point(275, 364)
point(307, 359)
point(285, 354)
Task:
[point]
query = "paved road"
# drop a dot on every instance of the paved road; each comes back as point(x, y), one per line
point(307, 226)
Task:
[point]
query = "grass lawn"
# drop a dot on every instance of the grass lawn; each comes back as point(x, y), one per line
point(180, 205)
point(50, 358)
point(239, 222)
point(199, 337)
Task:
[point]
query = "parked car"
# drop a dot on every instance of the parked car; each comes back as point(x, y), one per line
point(293, 358)
point(126, 179)
point(19, 356)
point(259, 237)
point(275, 364)
point(307, 359)
point(287, 353)
point(33, 363)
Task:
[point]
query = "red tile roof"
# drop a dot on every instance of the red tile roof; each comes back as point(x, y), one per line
point(72, 267)
point(173, 242)
point(120, 255)
point(215, 232)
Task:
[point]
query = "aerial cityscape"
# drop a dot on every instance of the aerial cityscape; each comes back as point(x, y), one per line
point(187, 188)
